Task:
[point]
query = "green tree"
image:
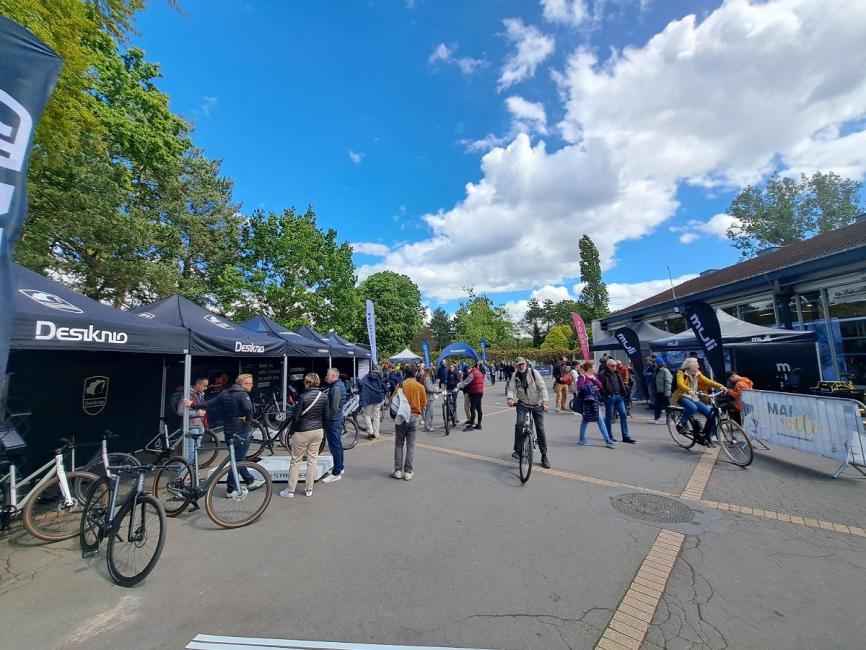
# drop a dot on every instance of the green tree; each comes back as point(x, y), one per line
point(593, 296)
point(787, 210)
point(292, 271)
point(441, 327)
point(559, 337)
point(398, 311)
point(477, 317)
point(537, 338)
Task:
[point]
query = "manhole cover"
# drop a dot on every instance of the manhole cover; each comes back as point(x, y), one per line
point(653, 508)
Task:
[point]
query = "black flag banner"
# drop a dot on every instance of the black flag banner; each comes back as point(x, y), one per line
point(705, 325)
point(28, 72)
point(629, 341)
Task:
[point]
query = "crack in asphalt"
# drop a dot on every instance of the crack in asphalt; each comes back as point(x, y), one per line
point(558, 623)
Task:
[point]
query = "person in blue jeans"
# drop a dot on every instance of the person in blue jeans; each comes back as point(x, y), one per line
point(334, 422)
point(589, 391)
point(614, 392)
point(236, 409)
point(690, 382)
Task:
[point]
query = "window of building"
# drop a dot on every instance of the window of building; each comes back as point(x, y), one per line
point(672, 324)
point(759, 312)
point(847, 307)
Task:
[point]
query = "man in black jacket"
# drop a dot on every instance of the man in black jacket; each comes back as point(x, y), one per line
point(334, 422)
point(236, 411)
point(615, 392)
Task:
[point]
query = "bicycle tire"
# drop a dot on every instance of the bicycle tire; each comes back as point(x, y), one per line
point(46, 518)
point(91, 526)
point(115, 458)
point(349, 437)
point(227, 511)
point(259, 439)
point(446, 416)
point(208, 449)
point(271, 415)
point(684, 440)
point(735, 442)
point(132, 531)
point(172, 486)
point(525, 456)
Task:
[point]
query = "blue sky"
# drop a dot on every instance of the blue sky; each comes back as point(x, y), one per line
point(634, 121)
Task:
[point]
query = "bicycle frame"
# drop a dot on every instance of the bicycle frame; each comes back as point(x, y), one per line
point(51, 469)
point(199, 489)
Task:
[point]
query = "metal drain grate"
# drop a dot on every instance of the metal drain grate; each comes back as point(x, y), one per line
point(653, 508)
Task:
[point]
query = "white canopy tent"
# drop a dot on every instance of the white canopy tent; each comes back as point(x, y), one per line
point(406, 356)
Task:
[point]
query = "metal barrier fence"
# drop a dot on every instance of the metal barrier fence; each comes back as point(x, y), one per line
point(822, 426)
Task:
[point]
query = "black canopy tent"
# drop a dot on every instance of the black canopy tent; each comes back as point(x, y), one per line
point(734, 331)
point(212, 335)
point(645, 333)
point(80, 366)
point(336, 350)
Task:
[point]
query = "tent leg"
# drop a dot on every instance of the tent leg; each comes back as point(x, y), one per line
point(162, 396)
point(187, 389)
point(285, 381)
point(330, 363)
point(355, 368)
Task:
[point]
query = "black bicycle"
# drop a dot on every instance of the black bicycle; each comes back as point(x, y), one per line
point(731, 437)
point(528, 443)
point(449, 412)
point(133, 524)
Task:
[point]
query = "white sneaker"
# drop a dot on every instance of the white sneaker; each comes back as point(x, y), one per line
point(655, 421)
point(286, 494)
point(256, 484)
point(397, 473)
point(408, 476)
point(308, 493)
point(330, 478)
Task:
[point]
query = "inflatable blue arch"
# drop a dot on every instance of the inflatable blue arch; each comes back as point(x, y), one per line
point(457, 349)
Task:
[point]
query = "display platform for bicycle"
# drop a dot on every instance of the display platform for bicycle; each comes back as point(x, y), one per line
point(278, 467)
point(210, 642)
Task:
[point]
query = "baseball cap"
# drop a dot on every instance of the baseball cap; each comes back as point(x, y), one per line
point(519, 360)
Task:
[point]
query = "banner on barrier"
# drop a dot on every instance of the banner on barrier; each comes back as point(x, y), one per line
point(821, 426)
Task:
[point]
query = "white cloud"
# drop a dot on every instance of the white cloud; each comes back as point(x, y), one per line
point(517, 308)
point(567, 12)
point(445, 54)
point(370, 248)
point(526, 117)
point(717, 226)
point(208, 104)
point(624, 294)
point(531, 48)
point(355, 156)
point(752, 87)
point(688, 238)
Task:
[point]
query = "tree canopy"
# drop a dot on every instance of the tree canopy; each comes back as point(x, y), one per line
point(398, 311)
point(478, 317)
point(593, 296)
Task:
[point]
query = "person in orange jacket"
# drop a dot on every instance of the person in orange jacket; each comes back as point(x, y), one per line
point(736, 385)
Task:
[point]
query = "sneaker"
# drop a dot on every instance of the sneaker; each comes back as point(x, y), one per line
point(469, 427)
point(256, 484)
point(330, 478)
point(515, 454)
point(286, 494)
point(370, 436)
point(477, 426)
point(655, 421)
point(611, 445)
point(397, 473)
point(583, 443)
point(545, 463)
point(630, 441)
point(308, 493)
point(230, 494)
point(409, 475)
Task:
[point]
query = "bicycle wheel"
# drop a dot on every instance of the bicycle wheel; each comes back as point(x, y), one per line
point(239, 508)
point(48, 517)
point(735, 442)
point(273, 416)
point(208, 449)
point(90, 530)
point(350, 433)
point(115, 459)
point(446, 416)
point(526, 457)
point(172, 486)
point(685, 439)
point(258, 440)
point(135, 540)
point(285, 436)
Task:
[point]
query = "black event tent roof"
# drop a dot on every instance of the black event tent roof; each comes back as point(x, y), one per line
point(296, 345)
point(49, 316)
point(645, 333)
point(360, 351)
point(734, 331)
point(335, 348)
point(211, 334)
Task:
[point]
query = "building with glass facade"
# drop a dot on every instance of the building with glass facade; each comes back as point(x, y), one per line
point(818, 284)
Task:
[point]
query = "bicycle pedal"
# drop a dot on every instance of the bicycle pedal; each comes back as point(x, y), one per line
point(89, 553)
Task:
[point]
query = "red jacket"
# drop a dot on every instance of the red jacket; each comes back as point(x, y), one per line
point(477, 385)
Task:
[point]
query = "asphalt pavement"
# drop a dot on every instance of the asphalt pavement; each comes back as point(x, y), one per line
point(466, 556)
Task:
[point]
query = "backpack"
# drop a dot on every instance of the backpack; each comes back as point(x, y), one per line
point(566, 379)
point(400, 410)
point(173, 404)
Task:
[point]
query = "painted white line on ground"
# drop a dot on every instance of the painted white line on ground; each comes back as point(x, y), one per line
point(210, 642)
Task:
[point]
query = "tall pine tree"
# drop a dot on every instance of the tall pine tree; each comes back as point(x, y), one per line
point(594, 294)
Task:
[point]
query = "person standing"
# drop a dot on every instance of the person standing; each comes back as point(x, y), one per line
point(405, 433)
point(615, 393)
point(309, 430)
point(432, 393)
point(529, 391)
point(473, 383)
point(662, 384)
point(560, 386)
point(373, 389)
point(236, 411)
point(334, 422)
point(649, 373)
point(197, 417)
point(589, 390)
point(442, 373)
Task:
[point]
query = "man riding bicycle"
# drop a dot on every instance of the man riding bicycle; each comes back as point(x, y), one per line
point(527, 388)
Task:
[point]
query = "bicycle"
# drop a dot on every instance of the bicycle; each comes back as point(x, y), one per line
point(731, 437)
point(449, 413)
point(351, 426)
point(178, 484)
point(269, 410)
point(134, 525)
point(528, 443)
point(164, 445)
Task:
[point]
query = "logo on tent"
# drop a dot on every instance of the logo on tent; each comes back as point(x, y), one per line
point(213, 320)
point(147, 315)
point(51, 301)
point(95, 394)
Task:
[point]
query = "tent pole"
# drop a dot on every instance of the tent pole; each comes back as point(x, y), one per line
point(355, 368)
point(162, 395)
point(285, 380)
point(330, 363)
point(187, 389)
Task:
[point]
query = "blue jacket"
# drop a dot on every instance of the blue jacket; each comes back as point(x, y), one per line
point(442, 373)
point(373, 388)
point(336, 401)
point(395, 379)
